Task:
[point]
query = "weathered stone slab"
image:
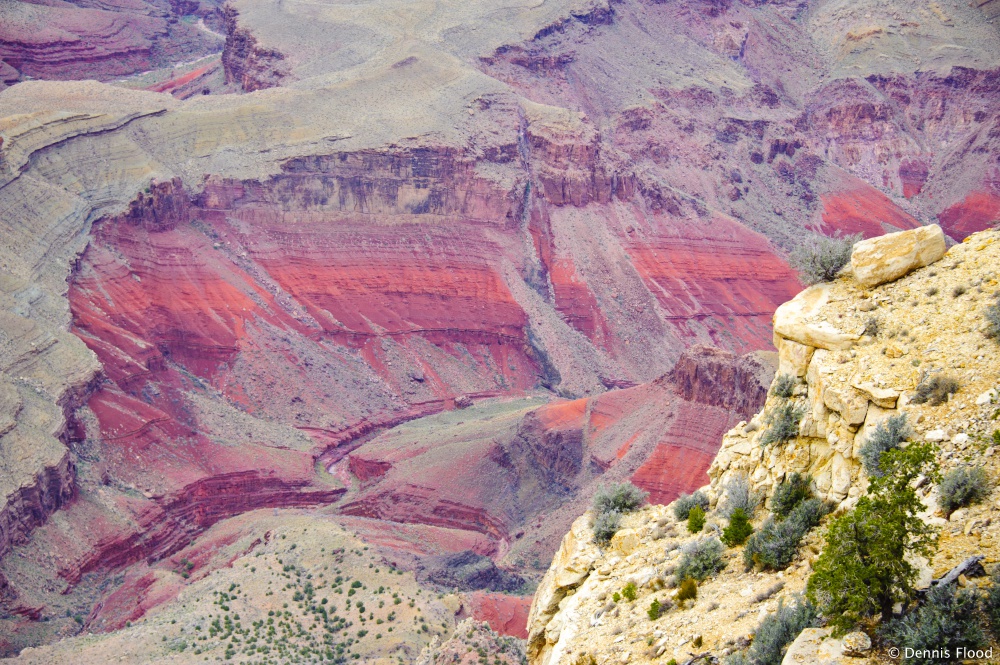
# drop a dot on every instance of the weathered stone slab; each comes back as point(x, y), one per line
point(797, 320)
point(889, 257)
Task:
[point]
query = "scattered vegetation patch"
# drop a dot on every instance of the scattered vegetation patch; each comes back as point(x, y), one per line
point(863, 570)
point(784, 421)
point(610, 503)
point(777, 542)
point(822, 257)
point(700, 559)
point(792, 491)
point(738, 496)
point(685, 502)
point(872, 326)
point(935, 390)
point(948, 619)
point(783, 386)
point(775, 633)
point(887, 435)
point(687, 590)
point(657, 609)
point(629, 592)
point(963, 486)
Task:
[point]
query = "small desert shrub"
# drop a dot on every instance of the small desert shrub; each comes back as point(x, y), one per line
point(585, 659)
point(688, 590)
point(696, 519)
point(685, 502)
point(958, 290)
point(791, 492)
point(992, 316)
point(933, 291)
point(606, 526)
point(935, 389)
point(628, 593)
point(962, 486)
point(656, 609)
point(872, 326)
point(947, 620)
point(887, 435)
point(775, 633)
point(769, 592)
point(739, 529)
point(783, 386)
point(784, 421)
point(739, 497)
point(621, 497)
point(701, 559)
point(820, 259)
point(776, 544)
point(610, 504)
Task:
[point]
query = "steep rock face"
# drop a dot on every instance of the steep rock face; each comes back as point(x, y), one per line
point(76, 40)
point(848, 390)
point(937, 313)
point(245, 62)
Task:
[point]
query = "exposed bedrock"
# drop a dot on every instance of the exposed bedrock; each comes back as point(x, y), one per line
point(78, 40)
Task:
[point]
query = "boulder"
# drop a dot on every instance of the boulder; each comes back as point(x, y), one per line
point(889, 257)
point(881, 397)
point(793, 358)
point(857, 644)
point(798, 320)
point(814, 646)
point(851, 404)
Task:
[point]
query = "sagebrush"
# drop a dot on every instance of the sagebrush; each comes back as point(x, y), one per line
point(784, 385)
point(685, 502)
point(775, 633)
point(610, 503)
point(887, 435)
point(701, 559)
point(784, 423)
point(776, 544)
point(963, 486)
point(948, 619)
point(821, 258)
point(738, 496)
point(935, 389)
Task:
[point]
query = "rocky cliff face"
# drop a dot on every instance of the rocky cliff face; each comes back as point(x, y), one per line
point(849, 375)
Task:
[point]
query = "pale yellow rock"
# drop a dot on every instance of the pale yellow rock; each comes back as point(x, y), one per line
point(851, 404)
point(889, 257)
point(625, 541)
point(882, 397)
point(793, 358)
point(795, 320)
point(814, 646)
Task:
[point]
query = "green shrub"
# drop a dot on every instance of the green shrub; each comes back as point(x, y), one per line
point(739, 529)
point(777, 542)
point(992, 316)
point(821, 258)
point(628, 593)
point(685, 502)
point(792, 491)
point(739, 496)
point(784, 421)
point(696, 519)
point(606, 526)
point(620, 497)
point(887, 435)
point(948, 619)
point(783, 386)
point(775, 633)
point(616, 596)
point(701, 559)
point(863, 570)
point(656, 609)
point(935, 389)
point(962, 486)
point(687, 590)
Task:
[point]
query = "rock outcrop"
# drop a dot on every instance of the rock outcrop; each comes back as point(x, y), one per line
point(928, 323)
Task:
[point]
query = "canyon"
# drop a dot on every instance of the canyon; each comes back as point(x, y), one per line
point(434, 271)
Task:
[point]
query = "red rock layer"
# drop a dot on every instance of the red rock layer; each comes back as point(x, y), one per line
point(978, 211)
point(865, 210)
point(65, 41)
point(507, 615)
